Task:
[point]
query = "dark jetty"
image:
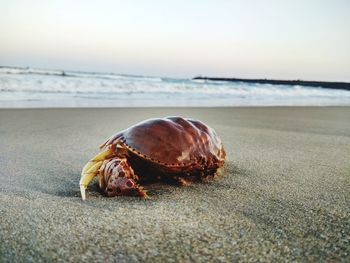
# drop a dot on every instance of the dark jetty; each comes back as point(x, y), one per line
point(322, 84)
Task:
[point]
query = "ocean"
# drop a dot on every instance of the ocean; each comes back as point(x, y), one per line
point(28, 87)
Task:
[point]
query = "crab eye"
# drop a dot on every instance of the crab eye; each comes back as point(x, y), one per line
point(129, 183)
point(121, 174)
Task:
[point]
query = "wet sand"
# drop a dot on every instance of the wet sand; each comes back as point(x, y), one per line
point(284, 194)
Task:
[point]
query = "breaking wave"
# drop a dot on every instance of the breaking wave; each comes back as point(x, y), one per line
point(22, 86)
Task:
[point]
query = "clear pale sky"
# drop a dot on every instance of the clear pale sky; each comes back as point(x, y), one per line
point(307, 39)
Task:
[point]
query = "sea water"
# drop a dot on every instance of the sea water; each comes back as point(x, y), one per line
point(27, 87)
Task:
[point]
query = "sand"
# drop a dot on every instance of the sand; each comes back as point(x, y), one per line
point(284, 194)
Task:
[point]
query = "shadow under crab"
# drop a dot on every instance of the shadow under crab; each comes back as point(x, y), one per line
point(162, 149)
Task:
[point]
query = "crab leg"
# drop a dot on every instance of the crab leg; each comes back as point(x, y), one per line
point(91, 169)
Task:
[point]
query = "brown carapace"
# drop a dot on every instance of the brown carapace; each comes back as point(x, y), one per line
point(163, 149)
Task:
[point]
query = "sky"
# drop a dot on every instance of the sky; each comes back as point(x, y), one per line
point(287, 39)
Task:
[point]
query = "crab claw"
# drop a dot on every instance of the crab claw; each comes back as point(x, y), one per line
point(87, 176)
point(99, 157)
point(118, 178)
point(124, 186)
point(91, 169)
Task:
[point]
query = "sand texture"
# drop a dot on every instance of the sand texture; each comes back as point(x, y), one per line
point(284, 195)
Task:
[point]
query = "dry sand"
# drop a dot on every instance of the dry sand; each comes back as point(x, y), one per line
point(284, 195)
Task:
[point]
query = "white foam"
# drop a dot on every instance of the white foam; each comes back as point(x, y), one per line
point(25, 87)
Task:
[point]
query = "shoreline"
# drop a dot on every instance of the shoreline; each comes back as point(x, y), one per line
point(118, 104)
point(176, 107)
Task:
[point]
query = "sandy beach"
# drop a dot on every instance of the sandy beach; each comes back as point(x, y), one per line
point(284, 194)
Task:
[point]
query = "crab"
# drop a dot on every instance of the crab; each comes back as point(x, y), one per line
point(174, 149)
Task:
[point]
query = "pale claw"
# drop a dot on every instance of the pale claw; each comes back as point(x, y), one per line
point(88, 174)
point(82, 191)
point(99, 157)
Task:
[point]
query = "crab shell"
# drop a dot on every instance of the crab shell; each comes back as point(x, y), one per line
point(171, 146)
